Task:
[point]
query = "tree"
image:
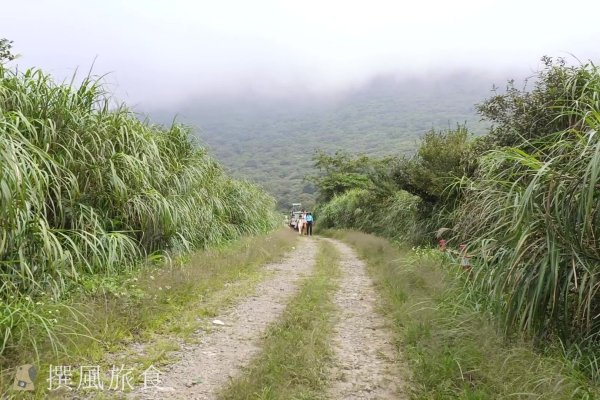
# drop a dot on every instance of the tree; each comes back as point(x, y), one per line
point(440, 160)
point(339, 173)
point(5, 51)
point(519, 116)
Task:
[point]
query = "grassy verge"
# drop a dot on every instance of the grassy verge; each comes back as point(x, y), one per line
point(453, 349)
point(296, 350)
point(136, 319)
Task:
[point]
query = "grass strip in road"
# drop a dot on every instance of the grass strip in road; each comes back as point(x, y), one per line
point(296, 351)
point(453, 348)
point(153, 308)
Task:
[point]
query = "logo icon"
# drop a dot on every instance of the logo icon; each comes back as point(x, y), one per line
point(24, 378)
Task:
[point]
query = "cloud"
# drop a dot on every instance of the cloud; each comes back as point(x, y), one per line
point(158, 51)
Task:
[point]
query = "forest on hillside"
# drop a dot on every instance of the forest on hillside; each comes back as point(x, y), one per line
point(273, 141)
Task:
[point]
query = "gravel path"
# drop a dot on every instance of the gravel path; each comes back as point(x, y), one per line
point(206, 367)
point(366, 365)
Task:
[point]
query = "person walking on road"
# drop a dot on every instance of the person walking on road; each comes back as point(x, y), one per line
point(301, 223)
point(309, 223)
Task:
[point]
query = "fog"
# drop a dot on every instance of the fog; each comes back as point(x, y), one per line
point(163, 53)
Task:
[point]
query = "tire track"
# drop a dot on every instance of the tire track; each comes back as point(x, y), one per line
point(366, 363)
point(206, 367)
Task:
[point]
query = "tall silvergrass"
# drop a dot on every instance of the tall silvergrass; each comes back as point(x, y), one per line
point(532, 216)
point(88, 189)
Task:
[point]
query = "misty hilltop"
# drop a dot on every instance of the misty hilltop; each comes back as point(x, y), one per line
point(270, 139)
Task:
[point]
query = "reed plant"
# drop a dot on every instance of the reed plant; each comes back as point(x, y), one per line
point(532, 216)
point(527, 205)
point(88, 188)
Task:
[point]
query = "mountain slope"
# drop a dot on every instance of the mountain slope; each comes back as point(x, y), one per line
point(271, 140)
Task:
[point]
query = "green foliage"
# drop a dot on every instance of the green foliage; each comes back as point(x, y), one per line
point(338, 173)
point(440, 159)
point(399, 198)
point(344, 210)
point(87, 189)
point(533, 214)
point(521, 115)
point(529, 208)
point(359, 192)
point(393, 216)
point(6, 51)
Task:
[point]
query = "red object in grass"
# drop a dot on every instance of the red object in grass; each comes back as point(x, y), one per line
point(442, 245)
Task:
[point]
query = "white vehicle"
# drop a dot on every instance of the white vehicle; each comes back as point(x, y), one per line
point(295, 215)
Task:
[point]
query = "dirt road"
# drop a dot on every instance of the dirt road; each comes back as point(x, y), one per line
point(365, 365)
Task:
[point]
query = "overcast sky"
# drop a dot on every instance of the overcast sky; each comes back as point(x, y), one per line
point(166, 51)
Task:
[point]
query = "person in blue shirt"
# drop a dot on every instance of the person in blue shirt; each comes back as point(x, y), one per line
point(309, 224)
